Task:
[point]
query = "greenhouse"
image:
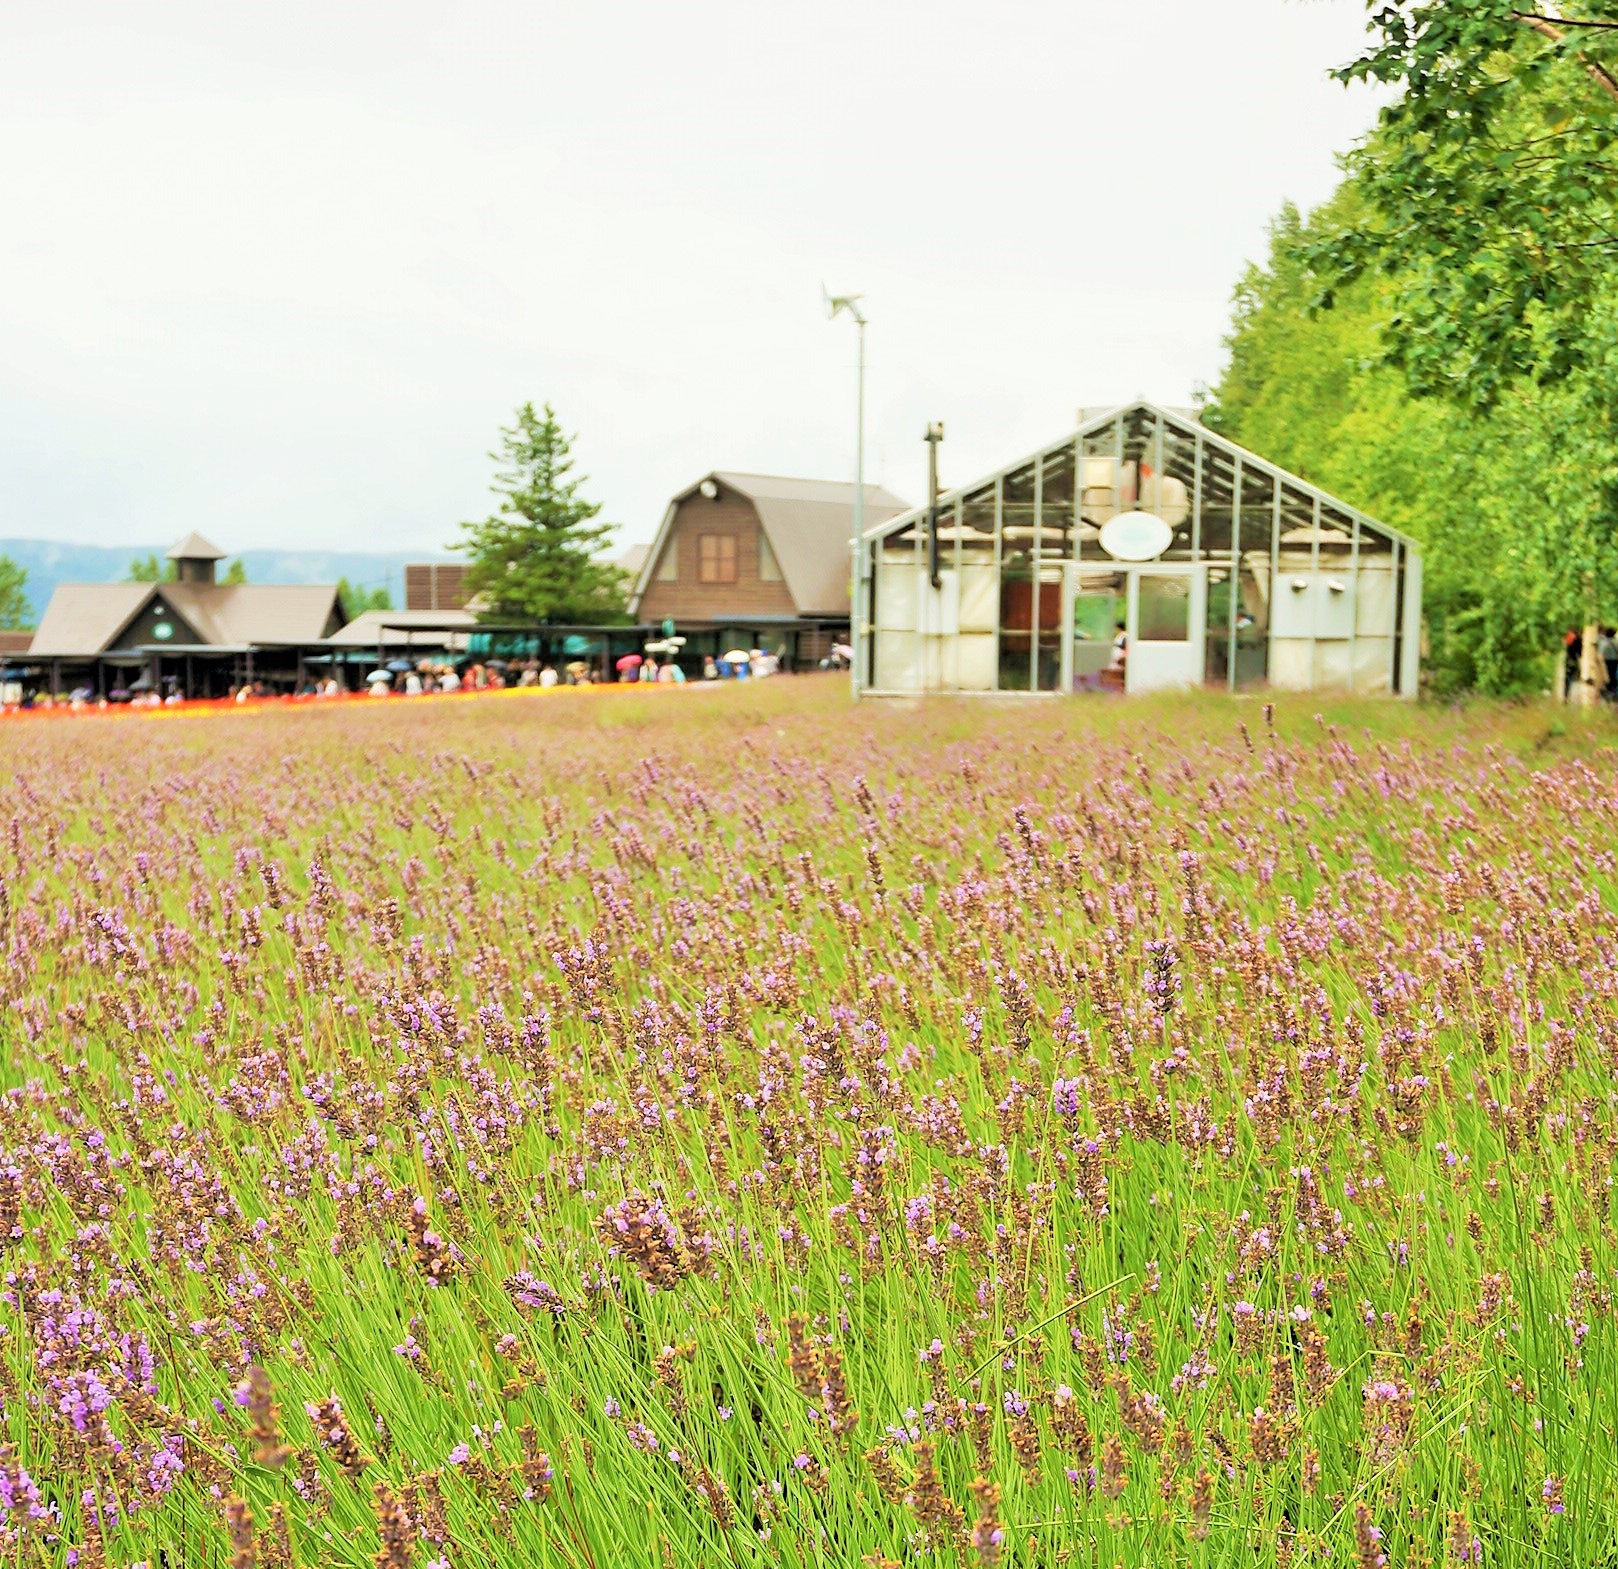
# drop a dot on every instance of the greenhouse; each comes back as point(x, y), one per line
point(1143, 552)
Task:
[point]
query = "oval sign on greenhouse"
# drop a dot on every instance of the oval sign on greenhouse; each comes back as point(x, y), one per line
point(1135, 536)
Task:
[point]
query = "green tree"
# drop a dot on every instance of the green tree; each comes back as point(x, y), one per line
point(355, 599)
point(1489, 191)
point(534, 558)
point(1512, 503)
point(236, 572)
point(149, 569)
point(15, 610)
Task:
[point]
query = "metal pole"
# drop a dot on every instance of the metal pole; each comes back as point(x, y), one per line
point(935, 434)
point(835, 306)
point(855, 606)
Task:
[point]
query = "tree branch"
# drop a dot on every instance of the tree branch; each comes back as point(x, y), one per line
point(1567, 21)
point(1546, 28)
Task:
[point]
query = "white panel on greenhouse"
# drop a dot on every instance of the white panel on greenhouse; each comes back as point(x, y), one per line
point(941, 606)
point(1374, 601)
point(976, 667)
point(897, 661)
point(1292, 663)
point(1373, 665)
point(1312, 603)
point(980, 599)
point(896, 594)
point(1334, 665)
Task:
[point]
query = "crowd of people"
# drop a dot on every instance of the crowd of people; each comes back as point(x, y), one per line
point(661, 665)
point(427, 675)
point(739, 664)
point(413, 680)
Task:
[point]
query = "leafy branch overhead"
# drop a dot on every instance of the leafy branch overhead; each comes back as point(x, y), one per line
point(1490, 190)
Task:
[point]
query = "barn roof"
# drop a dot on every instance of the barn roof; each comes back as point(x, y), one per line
point(808, 523)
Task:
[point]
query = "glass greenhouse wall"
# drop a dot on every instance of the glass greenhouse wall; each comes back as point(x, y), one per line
point(1143, 552)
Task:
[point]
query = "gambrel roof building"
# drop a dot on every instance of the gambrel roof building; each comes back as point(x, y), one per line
point(756, 558)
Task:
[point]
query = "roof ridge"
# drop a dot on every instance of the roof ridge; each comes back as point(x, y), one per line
point(799, 479)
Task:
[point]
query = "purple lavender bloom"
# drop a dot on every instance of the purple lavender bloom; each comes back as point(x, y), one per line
point(1065, 1097)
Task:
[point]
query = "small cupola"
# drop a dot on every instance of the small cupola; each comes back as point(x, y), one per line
point(195, 559)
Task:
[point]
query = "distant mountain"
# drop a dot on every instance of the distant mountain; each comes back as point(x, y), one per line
point(48, 563)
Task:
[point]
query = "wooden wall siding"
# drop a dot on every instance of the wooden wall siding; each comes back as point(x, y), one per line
point(687, 599)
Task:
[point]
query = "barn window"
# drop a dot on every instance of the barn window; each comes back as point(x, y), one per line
point(716, 558)
point(769, 569)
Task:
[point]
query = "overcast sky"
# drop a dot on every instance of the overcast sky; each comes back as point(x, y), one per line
point(279, 272)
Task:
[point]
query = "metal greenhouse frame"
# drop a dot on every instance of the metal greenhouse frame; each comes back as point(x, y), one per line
point(1034, 579)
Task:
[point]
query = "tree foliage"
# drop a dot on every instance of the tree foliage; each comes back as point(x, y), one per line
point(535, 558)
point(236, 572)
point(148, 569)
point(355, 599)
point(1489, 194)
point(15, 610)
point(1459, 384)
point(1513, 503)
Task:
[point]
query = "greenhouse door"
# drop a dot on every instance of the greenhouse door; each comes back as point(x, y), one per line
point(1167, 627)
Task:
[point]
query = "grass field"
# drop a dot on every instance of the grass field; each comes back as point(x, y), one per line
point(735, 1129)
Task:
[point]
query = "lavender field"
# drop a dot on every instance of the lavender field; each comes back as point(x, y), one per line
point(701, 1129)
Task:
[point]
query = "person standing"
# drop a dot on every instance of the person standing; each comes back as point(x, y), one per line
point(1573, 662)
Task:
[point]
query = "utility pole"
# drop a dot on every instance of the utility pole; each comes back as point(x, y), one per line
point(935, 434)
point(835, 305)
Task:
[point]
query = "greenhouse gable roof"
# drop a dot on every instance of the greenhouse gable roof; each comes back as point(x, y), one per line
point(1121, 417)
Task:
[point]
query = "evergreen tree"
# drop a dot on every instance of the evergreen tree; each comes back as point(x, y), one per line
point(534, 559)
point(236, 573)
point(15, 610)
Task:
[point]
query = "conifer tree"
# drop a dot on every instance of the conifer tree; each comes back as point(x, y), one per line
point(536, 557)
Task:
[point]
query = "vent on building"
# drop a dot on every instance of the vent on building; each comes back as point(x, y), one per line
point(435, 585)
